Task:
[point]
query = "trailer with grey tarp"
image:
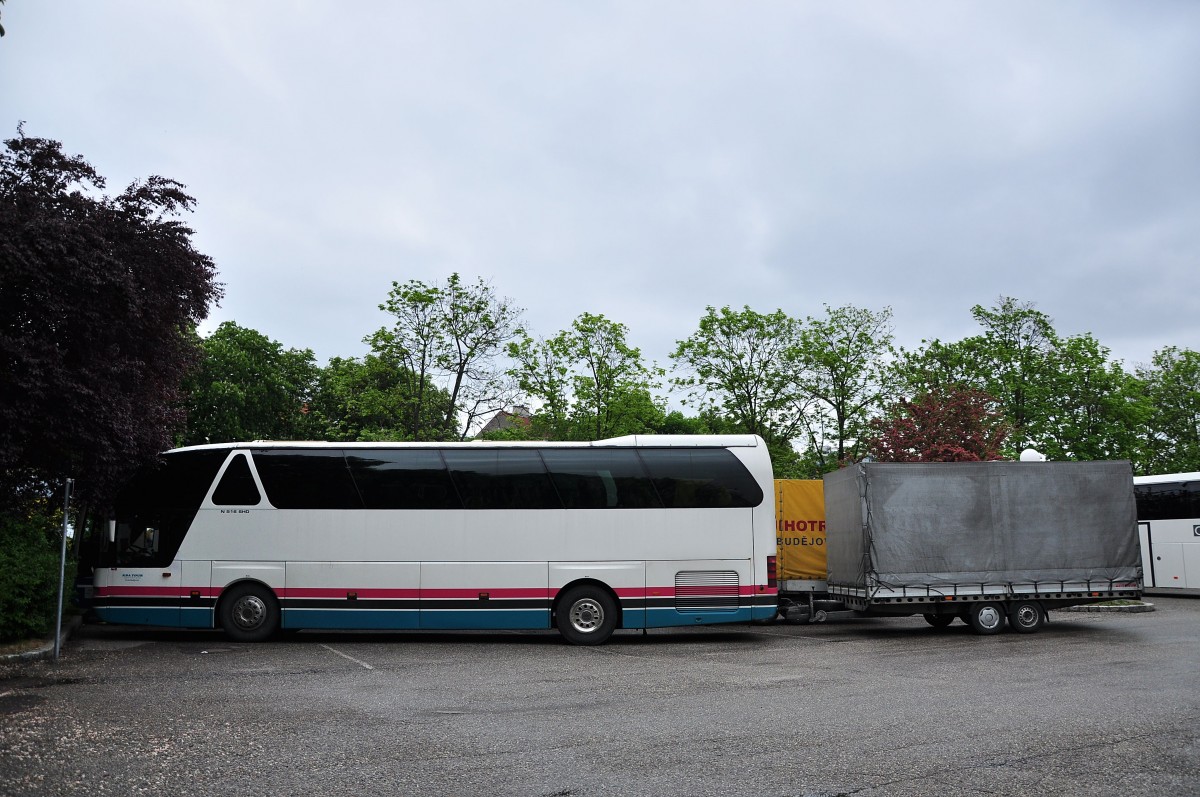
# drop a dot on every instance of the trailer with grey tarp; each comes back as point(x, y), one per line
point(982, 541)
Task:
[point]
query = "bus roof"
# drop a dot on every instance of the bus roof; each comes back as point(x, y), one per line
point(631, 441)
point(1167, 478)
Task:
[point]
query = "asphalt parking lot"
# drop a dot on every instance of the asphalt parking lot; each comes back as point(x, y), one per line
point(1096, 704)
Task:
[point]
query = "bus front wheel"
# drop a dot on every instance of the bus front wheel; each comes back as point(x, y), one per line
point(249, 613)
point(586, 615)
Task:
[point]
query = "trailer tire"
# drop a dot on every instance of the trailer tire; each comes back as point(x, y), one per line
point(1025, 617)
point(987, 618)
point(939, 620)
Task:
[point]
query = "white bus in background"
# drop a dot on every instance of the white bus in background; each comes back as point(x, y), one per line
point(632, 532)
point(1168, 509)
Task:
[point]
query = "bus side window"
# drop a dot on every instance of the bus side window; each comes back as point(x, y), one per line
point(701, 478)
point(237, 487)
point(600, 478)
point(501, 479)
point(306, 479)
point(1168, 501)
point(411, 478)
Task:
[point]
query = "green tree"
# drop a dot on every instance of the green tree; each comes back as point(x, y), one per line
point(1061, 395)
point(451, 337)
point(1171, 435)
point(944, 425)
point(743, 364)
point(373, 399)
point(1092, 408)
point(29, 561)
point(1013, 359)
point(844, 374)
point(248, 387)
point(542, 369)
point(590, 382)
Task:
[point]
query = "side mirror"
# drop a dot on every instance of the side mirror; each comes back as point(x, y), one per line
point(112, 531)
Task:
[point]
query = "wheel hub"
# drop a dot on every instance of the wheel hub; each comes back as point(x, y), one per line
point(989, 617)
point(249, 612)
point(586, 615)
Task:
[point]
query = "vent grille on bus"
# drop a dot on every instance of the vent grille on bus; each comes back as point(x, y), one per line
point(706, 590)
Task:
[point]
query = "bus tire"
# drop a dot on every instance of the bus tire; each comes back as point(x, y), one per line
point(1025, 617)
point(987, 618)
point(250, 613)
point(586, 615)
point(939, 620)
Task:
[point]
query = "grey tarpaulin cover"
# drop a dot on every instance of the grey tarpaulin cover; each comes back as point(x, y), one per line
point(943, 523)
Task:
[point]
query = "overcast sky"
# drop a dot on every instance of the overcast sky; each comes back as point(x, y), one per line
point(644, 160)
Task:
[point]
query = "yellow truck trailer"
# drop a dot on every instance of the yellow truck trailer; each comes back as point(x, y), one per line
point(800, 540)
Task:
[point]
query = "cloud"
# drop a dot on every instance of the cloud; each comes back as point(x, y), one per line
point(647, 160)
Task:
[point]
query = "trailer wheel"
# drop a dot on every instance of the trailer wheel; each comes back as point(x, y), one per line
point(1025, 617)
point(987, 618)
point(939, 620)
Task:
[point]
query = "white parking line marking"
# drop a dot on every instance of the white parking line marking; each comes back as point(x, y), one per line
point(351, 658)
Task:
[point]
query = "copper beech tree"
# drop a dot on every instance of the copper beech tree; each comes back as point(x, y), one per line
point(98, 299)
point(944, 425)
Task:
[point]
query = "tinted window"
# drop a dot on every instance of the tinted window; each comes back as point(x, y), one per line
point(237, 487)
point(1171, 501)
point(306, 479)
point(180, 481)
point(700, 478)
point(501, 479)
point(402, 479)
point(599, 478)
point(156, 509)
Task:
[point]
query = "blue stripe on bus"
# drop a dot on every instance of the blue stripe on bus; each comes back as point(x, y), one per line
point(491, 619)
point(398, 619)
point(139, 615)
point(196, 617)
point(385, 619)
point(663, 618)
point(352, 619)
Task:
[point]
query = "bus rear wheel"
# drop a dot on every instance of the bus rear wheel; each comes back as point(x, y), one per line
point(586, 615)
point(249, 613)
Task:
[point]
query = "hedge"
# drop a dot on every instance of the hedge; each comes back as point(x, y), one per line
point(29, 562)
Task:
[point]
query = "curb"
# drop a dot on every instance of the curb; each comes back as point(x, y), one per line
point(46, 651)
point(1134, 609)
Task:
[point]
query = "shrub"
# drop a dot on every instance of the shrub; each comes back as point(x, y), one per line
point(29, 560)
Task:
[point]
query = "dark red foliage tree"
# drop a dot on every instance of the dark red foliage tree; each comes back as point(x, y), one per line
point(944, 425)
point(98, 299)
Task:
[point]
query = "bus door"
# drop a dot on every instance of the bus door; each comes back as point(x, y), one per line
point(139, 592)
point(1147, 554)
point(1164, 562)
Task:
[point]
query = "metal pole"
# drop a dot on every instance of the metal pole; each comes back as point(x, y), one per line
point(62, 569)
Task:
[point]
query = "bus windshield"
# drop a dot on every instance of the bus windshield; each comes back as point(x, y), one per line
point(154, 510)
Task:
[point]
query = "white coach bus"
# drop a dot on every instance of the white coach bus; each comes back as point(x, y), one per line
point(632, 532)
point(1168, 509)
